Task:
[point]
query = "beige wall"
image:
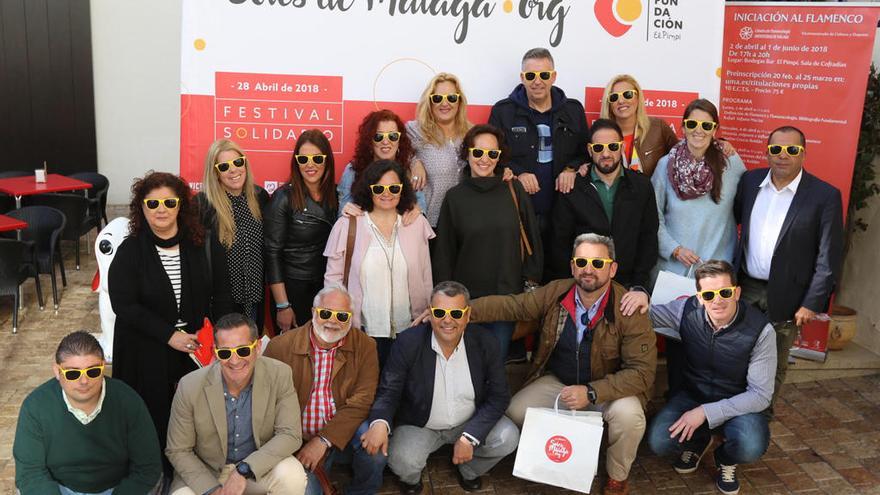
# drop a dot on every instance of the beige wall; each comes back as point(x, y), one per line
point(136, 57)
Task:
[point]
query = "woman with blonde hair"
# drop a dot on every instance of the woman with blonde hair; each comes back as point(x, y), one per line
point(436, 133)
point(230, 208)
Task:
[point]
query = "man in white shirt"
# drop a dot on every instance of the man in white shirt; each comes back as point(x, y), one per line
point(444, 383)
point(791, 248)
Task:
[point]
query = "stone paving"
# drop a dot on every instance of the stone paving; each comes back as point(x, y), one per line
point(825, 438)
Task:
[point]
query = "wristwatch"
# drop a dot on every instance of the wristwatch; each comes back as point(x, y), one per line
point(591, 394)
point(244, 469)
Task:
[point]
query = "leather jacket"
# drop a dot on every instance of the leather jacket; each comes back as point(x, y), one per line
point(295, 240)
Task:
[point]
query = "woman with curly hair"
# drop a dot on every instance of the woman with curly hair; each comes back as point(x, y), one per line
point(381, 136)
point(162, 287)
point(230, 207)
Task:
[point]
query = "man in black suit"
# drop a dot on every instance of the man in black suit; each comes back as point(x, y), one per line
point(790, 251)
point(444, 383)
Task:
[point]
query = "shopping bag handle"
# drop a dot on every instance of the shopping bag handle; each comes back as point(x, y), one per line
point(556, 405)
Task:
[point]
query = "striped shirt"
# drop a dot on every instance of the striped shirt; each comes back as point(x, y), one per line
point(170, 259)
point(321, 407)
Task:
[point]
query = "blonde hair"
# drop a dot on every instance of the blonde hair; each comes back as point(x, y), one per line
point(429, 127)
point(642, 122)
point(216, 194)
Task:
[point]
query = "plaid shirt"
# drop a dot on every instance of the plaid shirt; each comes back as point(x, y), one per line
point(320, 408)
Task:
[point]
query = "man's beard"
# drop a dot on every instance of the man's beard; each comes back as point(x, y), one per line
point(330, 337)
point(589, 286)
point(610, 169)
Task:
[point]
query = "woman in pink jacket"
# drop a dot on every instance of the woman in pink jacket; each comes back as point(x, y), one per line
point(388, 257)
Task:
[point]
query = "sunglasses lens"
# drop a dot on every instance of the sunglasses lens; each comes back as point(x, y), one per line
point(393, 136)
point(707, 296)
point(580, 262)
point(726, 293)
point(775, 149)
point(378, 137)
point(342, 317)
point(377, 190)
point(224, 354)
point(530, 76)
point(238, 162)
point(494, 154)
point(597, 263)
point(614, 146)
point(793, 150)
point(597, 148)
point(325, 314)
point(93, 372)
point(436, 99)
point(223, 167)
point(302, 159)
point(690, 124)
point(456, 314)
point(152, 204)
point(438, 313)
point(243, 351)
point(453, 98)
point(395, 189)
point(708, 126)
point(546, 75)
point(476, 153)
point(171, 203)
point(72, 375)
point(613, 97)
point(318, 159)
point(628, 94)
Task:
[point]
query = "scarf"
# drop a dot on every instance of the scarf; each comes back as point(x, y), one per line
point(690, 178)
point(245, 256)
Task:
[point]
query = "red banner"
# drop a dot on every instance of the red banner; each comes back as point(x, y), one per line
point(804, 65)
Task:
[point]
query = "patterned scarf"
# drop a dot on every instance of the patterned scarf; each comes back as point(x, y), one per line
point(691, 178)
point(245, 256)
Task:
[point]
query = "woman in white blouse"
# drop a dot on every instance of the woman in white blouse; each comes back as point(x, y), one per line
point(388, 257)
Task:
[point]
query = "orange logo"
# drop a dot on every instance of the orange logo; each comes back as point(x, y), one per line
point(617, 16)
point(558, 449)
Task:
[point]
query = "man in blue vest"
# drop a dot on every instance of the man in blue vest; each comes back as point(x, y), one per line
point(730, 364)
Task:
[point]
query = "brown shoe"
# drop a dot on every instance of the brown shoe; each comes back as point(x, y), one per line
point(614, 487)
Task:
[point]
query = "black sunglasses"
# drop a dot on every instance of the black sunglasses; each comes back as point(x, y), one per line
point(238, 163)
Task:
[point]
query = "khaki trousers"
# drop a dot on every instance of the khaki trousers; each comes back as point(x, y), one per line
point(624, 419)
point(286, 478)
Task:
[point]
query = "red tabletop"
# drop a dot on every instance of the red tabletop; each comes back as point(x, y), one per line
point(9, 223)
point(27, 186)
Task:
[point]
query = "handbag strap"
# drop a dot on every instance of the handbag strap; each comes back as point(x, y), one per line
point(525, 246)
point(349, 249)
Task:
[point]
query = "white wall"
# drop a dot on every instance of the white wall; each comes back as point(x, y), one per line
point(136, 63)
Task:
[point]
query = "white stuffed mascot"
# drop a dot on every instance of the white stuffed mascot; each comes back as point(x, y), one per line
point(106, 244)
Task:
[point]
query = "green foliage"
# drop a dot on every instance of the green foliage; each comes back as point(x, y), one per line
point(864, 185)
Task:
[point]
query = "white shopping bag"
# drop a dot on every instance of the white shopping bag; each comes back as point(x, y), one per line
point(559, 448)
point(669, 287)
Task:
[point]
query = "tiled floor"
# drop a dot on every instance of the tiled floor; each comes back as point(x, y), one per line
point(825, 439)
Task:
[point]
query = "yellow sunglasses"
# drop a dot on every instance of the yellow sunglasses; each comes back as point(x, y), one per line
point(479, 152)
point(628, 94)
point(170, 203)
point(790, 150)
point(455, 314)
point(243, 351)
point(73, 375)
point(340, 316)
point(235, 162)
point(724, 293)
point(545, 75)
point(692, 124)
point(600, 147)
point(598, 263)
point(379, 189)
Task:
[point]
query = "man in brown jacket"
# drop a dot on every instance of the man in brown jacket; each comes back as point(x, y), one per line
point(335, 372)
point(590, 354)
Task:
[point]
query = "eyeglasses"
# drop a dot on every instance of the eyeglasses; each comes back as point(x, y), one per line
point(629, 94)
point(600, 147)
point(73, 375)
point(170, 203)
point(725, 293)
point(237, 163)
point(452, 98)
point(545, 75)
point(316, 159)
point(692, 124)
point(479, 152)
point(326, 314)
point(392, 136)
point(790, 150)
point(379, 189)
point(598, 263)
point(455, 314)
point(243, 351)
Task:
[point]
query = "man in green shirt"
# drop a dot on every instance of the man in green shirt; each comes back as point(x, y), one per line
point(83, 434)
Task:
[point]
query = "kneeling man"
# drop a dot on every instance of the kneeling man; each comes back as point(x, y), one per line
point(444, 383)
point(235, 424)
point(730, 351)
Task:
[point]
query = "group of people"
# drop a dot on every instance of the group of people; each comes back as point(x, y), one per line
point(396, 295)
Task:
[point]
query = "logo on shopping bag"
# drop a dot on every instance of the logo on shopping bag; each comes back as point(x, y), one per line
point(558, 448)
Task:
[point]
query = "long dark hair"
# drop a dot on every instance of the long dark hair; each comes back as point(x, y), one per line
point(714, 157)
point(328, 185)
point(363, 149)
point(468, 142)
point(188, 223)
point(360, 190)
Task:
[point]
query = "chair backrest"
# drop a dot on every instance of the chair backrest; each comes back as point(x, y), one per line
point(100, 184)
point(11, 257)
point(45, 225)
point(74, 207)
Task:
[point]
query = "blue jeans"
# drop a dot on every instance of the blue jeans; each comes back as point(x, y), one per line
point(367, 476)
point(746, 437)
point(503, 331)
point(68, 491)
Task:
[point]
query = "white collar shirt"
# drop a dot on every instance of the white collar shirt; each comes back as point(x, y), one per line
point(765, 225)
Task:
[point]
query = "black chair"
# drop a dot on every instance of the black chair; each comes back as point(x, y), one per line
point(14, 270)
point(7, 202)
point(97, 194)
point(42, 237)
point(76, 211)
